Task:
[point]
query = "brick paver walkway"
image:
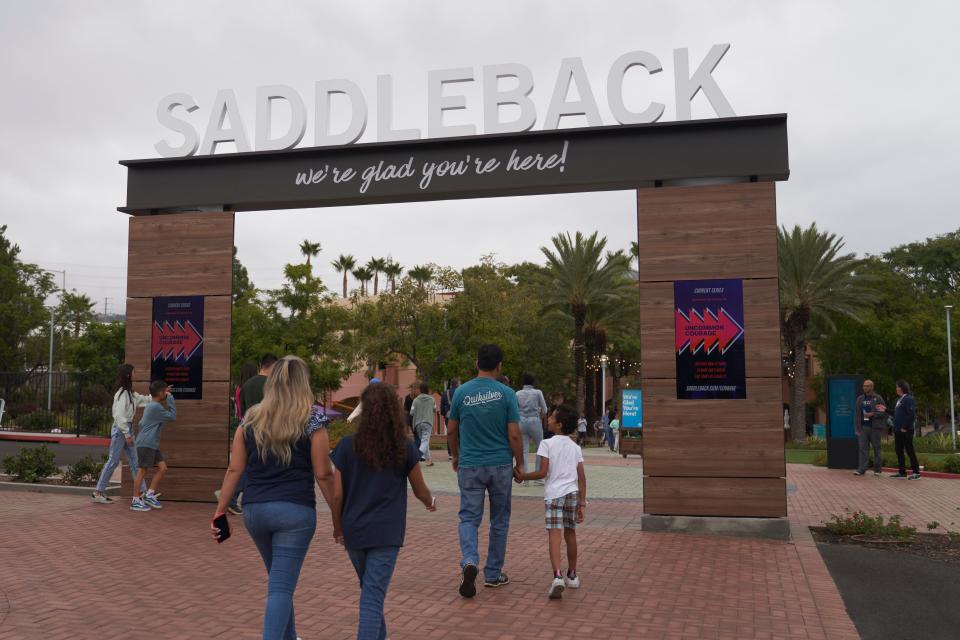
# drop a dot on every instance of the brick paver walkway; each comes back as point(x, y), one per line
point(71, 569)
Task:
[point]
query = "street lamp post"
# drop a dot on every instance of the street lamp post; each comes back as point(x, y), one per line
point(953, 423)
point(603, 384)
point(63, 290)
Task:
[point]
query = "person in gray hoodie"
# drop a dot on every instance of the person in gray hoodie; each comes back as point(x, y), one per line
point(422, 410)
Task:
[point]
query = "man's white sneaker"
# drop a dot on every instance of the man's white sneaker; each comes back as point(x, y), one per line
point(556, 589)
point(572, 583)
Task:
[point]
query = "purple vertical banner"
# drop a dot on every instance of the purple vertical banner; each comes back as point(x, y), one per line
point(709, 339)
point(176, 353)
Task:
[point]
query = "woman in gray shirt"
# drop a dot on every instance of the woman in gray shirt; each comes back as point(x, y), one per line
point(532, 409)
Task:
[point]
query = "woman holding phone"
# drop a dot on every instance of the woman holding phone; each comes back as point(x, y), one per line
point(282, 445)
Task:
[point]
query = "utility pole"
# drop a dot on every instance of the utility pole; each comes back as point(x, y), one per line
point(106, 303)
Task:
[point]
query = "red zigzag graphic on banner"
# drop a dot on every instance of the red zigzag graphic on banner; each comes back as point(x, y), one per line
point(707, 331)
point(172, 341)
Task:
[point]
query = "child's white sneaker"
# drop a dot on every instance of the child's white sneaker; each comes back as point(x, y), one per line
point(556, 589)
point(572, 583)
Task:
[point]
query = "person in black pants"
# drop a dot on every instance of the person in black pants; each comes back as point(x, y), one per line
point(904, 416)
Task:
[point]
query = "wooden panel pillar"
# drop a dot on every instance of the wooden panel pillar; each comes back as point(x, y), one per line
point(711, 457)
point(186, 255)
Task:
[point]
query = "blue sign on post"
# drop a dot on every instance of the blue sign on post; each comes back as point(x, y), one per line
point(842, 392)
point(632, 409)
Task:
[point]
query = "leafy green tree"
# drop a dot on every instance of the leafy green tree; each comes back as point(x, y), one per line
point(23, 289)
point(75, 312)
point(344, 264)
point(393, 270)
point(817, 285)
point(579, 275)
point(97, 351)
point(363, 276)
point(242, 284)
point(376, 266)
point(309, 250)
point(932, 265)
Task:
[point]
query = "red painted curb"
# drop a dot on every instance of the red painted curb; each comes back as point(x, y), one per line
point(90, 441)
point(930, 474)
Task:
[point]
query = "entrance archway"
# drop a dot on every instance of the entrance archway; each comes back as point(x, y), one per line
point(706, 209)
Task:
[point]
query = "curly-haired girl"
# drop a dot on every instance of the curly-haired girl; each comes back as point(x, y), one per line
point(370, 498)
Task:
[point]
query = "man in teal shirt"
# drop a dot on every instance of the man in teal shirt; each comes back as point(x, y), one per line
point(484, 436)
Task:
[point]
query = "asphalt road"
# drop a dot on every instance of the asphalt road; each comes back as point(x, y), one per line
point(891, 595)
point(66, 454)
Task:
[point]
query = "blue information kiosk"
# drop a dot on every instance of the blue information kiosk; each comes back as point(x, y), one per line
point(842, 392)
point(631, 422)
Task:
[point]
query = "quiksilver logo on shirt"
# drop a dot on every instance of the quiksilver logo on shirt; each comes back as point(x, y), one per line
point(482, 398)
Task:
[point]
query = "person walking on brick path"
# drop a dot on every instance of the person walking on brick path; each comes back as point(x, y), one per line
point(533, 409)
point(870, 421)
point(423, 410)
point(904, 415)
point(564, 495)
point(369, 507)
point(159, 411)
point(484, 437)
point(615, 430)
point(126, 401)
point(445, 401)
point(581, 430)
point(283, 448)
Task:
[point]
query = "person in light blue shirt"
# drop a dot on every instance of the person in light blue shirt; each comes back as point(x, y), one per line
point(533, 410)
point(160, 410)
point(487, 455)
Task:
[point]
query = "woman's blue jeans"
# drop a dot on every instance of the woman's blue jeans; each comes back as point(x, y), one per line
point(374, 567)
point(282, 532)
point(118, 446)
point(531, 430)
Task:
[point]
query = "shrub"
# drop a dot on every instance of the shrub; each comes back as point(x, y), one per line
point(86, 470)
point(820, 459)
point(39, 419)
point(95, 420)
point(859, 523)
point(31, 464)
point(951, 464)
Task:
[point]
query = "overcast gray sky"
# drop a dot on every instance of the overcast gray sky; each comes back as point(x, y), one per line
point(870, 88)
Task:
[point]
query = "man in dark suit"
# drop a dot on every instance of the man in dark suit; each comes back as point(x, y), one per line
point(871, 420)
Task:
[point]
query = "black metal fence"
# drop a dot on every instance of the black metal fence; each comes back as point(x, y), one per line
point(63, 403)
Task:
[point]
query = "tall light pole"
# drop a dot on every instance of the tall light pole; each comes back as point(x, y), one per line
point(953, 423)
point(63, 290)
point(603, 383)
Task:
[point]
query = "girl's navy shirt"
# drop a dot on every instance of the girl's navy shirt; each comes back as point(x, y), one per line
point(270, 480)
point(374, 500)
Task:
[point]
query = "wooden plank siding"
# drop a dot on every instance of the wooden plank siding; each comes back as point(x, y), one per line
point(186, 255)
point(711, 457)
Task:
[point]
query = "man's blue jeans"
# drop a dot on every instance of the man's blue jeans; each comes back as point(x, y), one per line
point(497, 481)
point(282, 532)
point(118, 446)
point(374, 567)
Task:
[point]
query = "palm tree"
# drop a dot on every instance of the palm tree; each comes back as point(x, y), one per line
point(577, 276)
point(363, 275)
point(421, 274)
point(635, 253)
point(309, 249)
point(393, 270)
point(344, 264)
point(816, 284)
point(76, 311)
point(376, 266)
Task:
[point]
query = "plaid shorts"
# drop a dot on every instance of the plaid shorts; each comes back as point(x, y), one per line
point(561, 513)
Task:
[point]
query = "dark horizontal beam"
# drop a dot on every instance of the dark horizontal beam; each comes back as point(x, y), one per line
point(596, 159)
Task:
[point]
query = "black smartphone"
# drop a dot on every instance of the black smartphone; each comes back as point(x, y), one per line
point(221, 523)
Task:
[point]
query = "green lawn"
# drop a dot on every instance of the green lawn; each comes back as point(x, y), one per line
point(807, 456)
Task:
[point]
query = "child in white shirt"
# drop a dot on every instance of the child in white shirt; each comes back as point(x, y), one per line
point(564, 494)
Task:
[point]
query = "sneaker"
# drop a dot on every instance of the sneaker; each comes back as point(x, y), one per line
point(216, 494)
point(468, 582)
point(913, 476)
point(556, 589)
point(877, 474)
point(538, 483)
point(100, 498)
point(572, 583)
point(858, 473)
point(235, 509)
point(138, 505)
point(152, 502)
point(898, 475)
point(501, 580)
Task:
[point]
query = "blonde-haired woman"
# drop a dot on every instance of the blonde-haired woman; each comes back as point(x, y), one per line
point(283, 446)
